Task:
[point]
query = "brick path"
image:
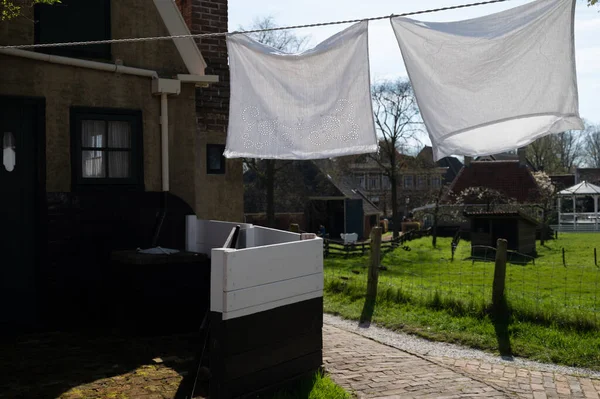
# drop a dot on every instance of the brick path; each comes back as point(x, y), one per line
point(374, 370)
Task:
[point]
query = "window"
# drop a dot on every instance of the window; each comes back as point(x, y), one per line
point(361, 182)
point(107, 148)
point(385, 182)
point(74, 20)
point(215, 161)
point(436, 181)
point(422, 182)
point(373, 183)
point(9, 156)
point(408, 181)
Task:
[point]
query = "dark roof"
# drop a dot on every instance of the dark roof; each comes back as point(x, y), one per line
point(504, 156)
point(508, 177)
point(452, 164)
point(502, 214)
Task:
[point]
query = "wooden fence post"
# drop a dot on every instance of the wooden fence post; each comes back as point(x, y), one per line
point(499, 273)
point(373, 277)
point(500, 312)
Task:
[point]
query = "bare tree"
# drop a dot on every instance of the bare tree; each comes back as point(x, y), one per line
point(556, 153)
point(568, 149)
point(541, 156)
point(592, 146)
point(267, 169)
point(397, 119)
point(282, 40)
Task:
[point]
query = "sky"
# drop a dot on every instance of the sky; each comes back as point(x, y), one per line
point(385, 58)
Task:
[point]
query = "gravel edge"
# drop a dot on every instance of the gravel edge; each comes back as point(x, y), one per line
point(420, 346)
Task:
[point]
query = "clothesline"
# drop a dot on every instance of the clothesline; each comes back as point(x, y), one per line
point(214, 34)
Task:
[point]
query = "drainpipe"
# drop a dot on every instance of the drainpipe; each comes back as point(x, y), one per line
point(164, 139)
point(164, 87)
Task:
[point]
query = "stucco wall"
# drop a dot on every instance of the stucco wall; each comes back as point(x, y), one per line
point(196, 117)
point(64, 86)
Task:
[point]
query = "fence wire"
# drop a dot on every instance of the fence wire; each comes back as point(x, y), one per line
point(541, 292)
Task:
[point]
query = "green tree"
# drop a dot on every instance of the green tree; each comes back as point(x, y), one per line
point(592, 2)
point(10, 9)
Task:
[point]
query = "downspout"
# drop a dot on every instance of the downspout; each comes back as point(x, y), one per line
point(164, 87)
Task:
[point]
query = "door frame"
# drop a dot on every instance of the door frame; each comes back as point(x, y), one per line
point(40, 201)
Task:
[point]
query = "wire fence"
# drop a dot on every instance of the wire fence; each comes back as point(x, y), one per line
point(540, 291)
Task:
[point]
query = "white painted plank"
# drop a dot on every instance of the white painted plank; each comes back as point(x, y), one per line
point(218, 263)
point(271, 305)
point(253, 296)
point(267, 264)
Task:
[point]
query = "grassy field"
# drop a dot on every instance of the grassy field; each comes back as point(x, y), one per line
point(554, 309)
point(319, 387)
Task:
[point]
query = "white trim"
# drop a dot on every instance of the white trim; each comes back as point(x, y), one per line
point(175, 24)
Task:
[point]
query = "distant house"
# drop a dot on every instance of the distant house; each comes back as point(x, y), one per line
point(417, 178)
point(590, 175)
point(452, 165)
point(562, 181)
point(311, 194)
point(511, 178)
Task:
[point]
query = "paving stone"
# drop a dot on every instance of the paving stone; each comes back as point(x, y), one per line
point(440, 377)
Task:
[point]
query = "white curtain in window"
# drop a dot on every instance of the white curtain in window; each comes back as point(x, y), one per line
point(92, 136)
point(9, 156)
point(119, 136)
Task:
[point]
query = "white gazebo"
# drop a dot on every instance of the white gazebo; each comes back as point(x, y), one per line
point(579, 221)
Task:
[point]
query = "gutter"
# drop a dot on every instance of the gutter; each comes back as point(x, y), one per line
point(100, 66)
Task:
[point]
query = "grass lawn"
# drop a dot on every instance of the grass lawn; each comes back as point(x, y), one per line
point(555, 310)
point(318, 387)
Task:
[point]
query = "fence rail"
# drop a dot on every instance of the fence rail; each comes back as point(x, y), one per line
point(338, 248)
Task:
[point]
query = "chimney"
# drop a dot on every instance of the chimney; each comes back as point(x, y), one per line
point(468, 160)
point(521, 154)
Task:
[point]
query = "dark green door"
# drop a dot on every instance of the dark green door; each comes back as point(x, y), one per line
point(17, 213)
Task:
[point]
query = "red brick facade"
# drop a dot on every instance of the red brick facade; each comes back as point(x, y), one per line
point(185, 6)
point(212, 102)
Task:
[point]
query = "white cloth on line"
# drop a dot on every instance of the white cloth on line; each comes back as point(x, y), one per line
point(494, 83)
point(311, 105)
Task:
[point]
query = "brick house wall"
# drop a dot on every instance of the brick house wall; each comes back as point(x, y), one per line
point(212, 110)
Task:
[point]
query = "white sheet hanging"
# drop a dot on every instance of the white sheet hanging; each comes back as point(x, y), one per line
point(316, 104)
point(495, 83)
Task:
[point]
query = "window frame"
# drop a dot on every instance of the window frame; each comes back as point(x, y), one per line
point(412, 181)
point(136, 180)
point(95, 51)
point(221, 149)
